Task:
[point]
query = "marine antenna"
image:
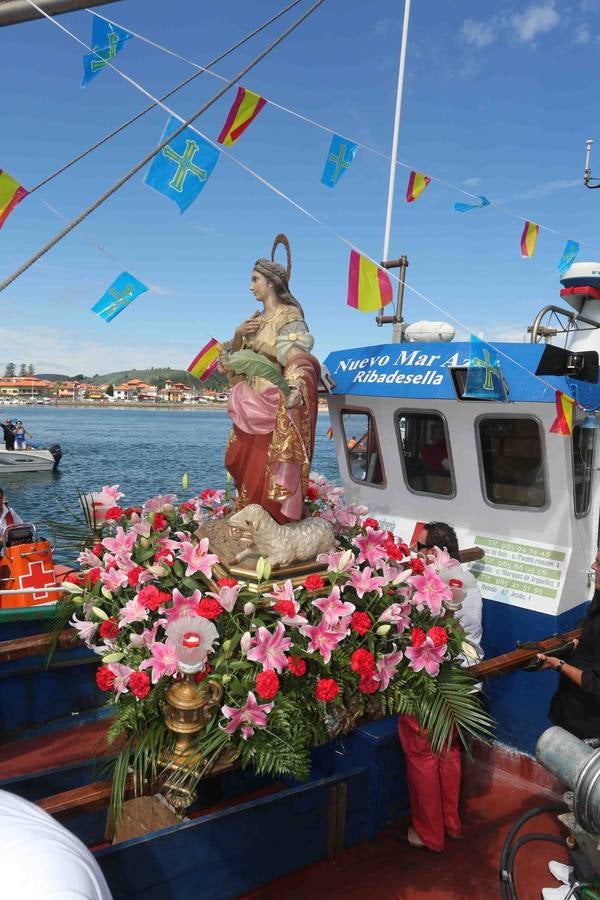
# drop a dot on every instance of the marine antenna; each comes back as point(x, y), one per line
point(587, 174)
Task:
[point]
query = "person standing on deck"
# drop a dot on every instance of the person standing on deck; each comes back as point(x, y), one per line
point(434, 781)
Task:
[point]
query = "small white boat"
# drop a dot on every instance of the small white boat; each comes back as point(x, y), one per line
point(34, 460)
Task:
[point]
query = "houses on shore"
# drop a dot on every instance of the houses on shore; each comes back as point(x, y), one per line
point(29, 389)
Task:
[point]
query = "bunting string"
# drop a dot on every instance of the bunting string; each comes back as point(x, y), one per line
point(410, 167)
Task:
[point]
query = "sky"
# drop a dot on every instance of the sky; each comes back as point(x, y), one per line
point(499, 100)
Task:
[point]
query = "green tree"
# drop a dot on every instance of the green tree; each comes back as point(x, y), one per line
point(22, 370)
point(30, 370)
point(110, 390)
point(10, 370)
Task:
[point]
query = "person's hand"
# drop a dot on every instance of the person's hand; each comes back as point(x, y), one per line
point(548, 662)
point(294, 399)
point(250, 326)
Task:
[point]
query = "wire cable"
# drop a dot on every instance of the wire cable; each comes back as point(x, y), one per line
point(200, 71)
point(146, 159)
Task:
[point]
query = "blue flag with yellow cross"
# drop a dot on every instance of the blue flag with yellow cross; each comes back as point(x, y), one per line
point(182, 168)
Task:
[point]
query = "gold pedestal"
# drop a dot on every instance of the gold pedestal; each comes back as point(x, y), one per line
point(246, 571)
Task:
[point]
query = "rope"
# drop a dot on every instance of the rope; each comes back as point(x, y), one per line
point(146, 159)
point(186, 81)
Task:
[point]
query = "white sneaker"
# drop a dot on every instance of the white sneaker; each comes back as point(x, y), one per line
point(561, 871)
point(558, 893)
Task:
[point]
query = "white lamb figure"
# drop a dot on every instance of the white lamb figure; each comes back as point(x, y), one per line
point(283, 544)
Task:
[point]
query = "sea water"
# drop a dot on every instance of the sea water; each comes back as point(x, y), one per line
point(145, 451)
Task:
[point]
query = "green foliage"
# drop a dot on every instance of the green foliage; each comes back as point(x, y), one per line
point(449, 706)
point(256, 365)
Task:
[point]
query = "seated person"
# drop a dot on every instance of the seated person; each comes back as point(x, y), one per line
point(7, 516)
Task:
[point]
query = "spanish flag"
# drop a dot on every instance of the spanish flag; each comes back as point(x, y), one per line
point(529, 240)
point(369, 287)
point(563, 424)
point(417, 182)
point(245, 109)
point(205, 363)
point(11, 193)
point(330, 432)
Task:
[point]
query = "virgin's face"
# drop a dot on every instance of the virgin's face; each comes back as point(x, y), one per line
point(259, 286)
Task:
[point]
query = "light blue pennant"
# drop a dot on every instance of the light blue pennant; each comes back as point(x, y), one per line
point(119, 295)
point(183, 167)
point(484, 376)
point(568, 257)
point(107, 40)
point(465, 207)
point(339, 159)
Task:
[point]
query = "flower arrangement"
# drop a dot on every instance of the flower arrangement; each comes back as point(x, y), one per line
point(371, 633)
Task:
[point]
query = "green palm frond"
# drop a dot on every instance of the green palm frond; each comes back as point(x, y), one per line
point(255, 365)
point(453, 708)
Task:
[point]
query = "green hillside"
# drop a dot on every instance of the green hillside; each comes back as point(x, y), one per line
point(158, 376)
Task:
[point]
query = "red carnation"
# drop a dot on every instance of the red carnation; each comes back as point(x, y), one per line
point(114, 513)
point(109, 629)
point(152, 598)
point(285, 607)
point(404, 548)
point(134, 575)
point(363, 662)
point(314, 583)
point(92, 575)
point(417, 637)
point(133, 511)
point(160, 522)
point(73, 578)
point(368, 685)
point(226, 582)
point(163, 555)
point(97, 549)
point(139, 685)
point(393, 550)
point(327, 689)
point(361, 622)
point(200, 676)
point(417, 565)
point(104, 678)
point(297, 666)
point(209, 608)
point(267, 685)
point(312, 493)
point(187, 506)
point(438, 635)
point(371, 523)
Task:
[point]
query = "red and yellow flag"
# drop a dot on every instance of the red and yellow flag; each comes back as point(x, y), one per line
point(205, 363)
point(417, 182)
point(563, 424)
point(529, 240)
point(330, 432)
point(245, 109)
point(369, 287)
point(11, 193)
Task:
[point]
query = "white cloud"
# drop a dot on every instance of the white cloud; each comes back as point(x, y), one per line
point(382, 27)
point(540, 191)
point(535, 20)
point(582, 34)
point(479, 33)
point(471, 182)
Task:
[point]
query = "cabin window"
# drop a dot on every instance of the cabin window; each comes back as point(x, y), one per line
point(512, 461)
point(362, 447)
point(583, 467)
point(425, 449)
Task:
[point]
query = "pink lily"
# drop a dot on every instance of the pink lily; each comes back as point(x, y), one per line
point(268, 649)
point(332, 607)
point(211, 498)
point(295, 621)
point(89, 560)
point(163, 660)
point(85, 630)
point(157, 504)
point(227, 596)
point(428, 657)
point(441, 559)
point(147, 637)
point(397, 614)
point(109, 496)
point(141, 528)
point(430, 591)
point(197, 557)
point(133, 611)
point(371, 547)
point(122, 674)
point(338, 561)
point(182, 605)
point(363, 582)
point(282, 591)
point(247, 717)
point(121, 543)
point(386, 667)
point(113, 579)
point(323, 639)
